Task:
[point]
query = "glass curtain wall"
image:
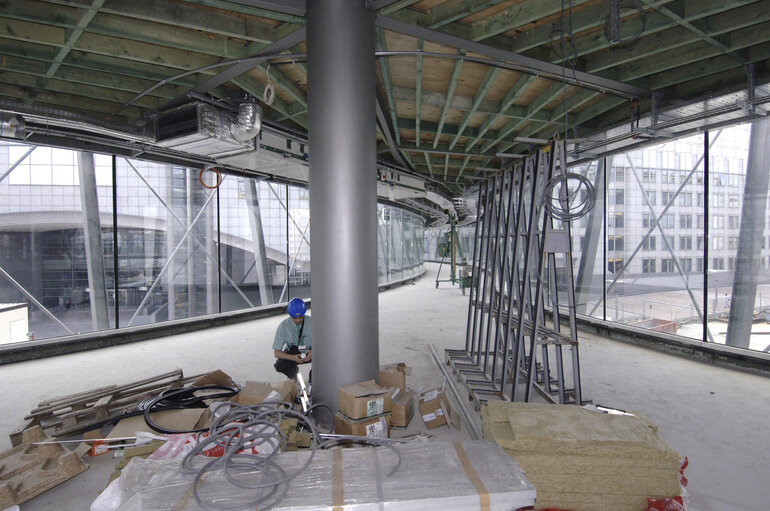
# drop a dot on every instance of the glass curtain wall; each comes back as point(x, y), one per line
point(400, 243)
point(679, 239)
point(188, 244)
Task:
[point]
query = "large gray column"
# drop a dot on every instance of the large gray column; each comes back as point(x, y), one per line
point(588, 252)
point(343, 194)
point(750, 237)
point(92, 233)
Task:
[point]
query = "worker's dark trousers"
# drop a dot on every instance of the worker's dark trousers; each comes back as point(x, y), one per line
point(287, 367)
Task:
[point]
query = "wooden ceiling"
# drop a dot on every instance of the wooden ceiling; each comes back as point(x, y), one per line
point(459, 81)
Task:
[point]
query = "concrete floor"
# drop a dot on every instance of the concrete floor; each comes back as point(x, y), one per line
point(716, 417)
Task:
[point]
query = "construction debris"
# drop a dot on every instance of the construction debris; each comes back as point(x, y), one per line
point(28, 470)
point(582, 460)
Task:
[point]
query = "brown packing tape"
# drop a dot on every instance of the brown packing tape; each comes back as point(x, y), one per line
point(473, 476)
point(338, 493)
point(183, 500)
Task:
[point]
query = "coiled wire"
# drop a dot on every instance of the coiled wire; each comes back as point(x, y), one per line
point(568, 205)
point(243, 427)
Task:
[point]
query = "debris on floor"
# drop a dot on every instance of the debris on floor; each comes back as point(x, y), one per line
point(583, 460)
point(28, 469)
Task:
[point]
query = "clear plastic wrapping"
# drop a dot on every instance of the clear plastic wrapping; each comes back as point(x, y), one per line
point(421, 476)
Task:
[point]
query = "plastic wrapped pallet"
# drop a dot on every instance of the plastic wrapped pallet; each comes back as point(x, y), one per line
point(421, 476)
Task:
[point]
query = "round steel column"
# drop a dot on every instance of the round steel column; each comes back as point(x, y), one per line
point(343, 194)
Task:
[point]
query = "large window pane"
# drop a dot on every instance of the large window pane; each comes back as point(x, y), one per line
point(44, 261)
point(739, 252)
point(653, 281)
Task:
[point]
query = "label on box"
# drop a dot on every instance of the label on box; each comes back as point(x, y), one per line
point(430, 396)
point(429, 417)
point(375, 407)
point(376, 430)
point(439, 412)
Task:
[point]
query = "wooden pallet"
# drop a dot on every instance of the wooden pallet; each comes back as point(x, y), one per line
point(76, 413)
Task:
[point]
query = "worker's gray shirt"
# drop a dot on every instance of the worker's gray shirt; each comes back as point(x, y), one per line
point(287, 333)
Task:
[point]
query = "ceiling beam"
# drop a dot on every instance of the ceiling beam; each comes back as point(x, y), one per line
point(463, 103)
point(484, 86)
point(418, 91)
point(389, 126)
point(453, 79)
point(518, 61)
point(515, 16)
point(695, 30)
point(245, 65)
point(522, 83)
point(385, 7)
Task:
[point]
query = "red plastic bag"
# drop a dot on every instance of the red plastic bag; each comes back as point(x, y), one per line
point(666, 504)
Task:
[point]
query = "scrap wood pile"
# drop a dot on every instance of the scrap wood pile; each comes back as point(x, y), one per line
point(582, 460)
point(174, 403)
point(76, 413)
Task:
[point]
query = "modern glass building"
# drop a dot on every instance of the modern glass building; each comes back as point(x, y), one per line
point(166, 243)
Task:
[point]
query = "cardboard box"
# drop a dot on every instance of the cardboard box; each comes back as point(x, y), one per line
point(393, 375)
point(403, 409)
point(363, 399)
point(434, 408)
point(372, 427)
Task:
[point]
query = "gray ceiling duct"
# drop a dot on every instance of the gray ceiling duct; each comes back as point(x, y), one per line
point(11, 125)
point(200, 128)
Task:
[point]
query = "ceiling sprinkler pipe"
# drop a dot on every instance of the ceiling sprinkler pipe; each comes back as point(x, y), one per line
point(249, 122)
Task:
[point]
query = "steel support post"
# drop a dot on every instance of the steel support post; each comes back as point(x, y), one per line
point(92, 234)
point(171, 230)
point(343, 194)
point(258, 243)
point(472, 293)
point(590, 247)
point(750, 238)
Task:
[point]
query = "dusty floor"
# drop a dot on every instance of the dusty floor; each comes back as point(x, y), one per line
point(716, 417)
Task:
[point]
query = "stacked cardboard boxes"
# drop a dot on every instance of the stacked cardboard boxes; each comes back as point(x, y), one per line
point(582, 460)
point(434, 408)
point(394, 376)
point(364, 410)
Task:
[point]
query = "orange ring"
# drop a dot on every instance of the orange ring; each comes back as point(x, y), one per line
point(204, 185)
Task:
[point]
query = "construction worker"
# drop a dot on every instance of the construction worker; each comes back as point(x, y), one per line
point(292, 344)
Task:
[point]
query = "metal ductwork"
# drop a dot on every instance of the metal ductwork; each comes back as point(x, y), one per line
point(205, 129)
point(11, 125)
point(249, 122)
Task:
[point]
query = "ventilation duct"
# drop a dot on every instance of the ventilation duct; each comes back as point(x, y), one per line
point(11, 125)
point(204, 129)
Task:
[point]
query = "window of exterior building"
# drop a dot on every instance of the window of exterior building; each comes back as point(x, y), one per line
point(718, 242)
point(648, 243)
point(685, 199)
point(718, 263)
point(666, 197)
point(685, 221)
point(667, 265)
point(615, 242)
point(668, 221)
point(648, 265)
point(733, 221)
point(732, 201)
point(685, 242)
point(718, 222)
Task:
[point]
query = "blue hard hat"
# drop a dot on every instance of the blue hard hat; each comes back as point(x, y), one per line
point(296, 308)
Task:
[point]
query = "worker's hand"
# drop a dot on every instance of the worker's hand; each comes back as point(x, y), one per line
point(308, 356)
point(298, 359)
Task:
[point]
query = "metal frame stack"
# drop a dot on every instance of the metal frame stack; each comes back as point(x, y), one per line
point(521, 312)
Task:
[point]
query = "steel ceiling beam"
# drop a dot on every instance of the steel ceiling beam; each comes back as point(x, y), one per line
point(484, 86)
point(236, 70)
point(520, 62)
point(454, 78)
